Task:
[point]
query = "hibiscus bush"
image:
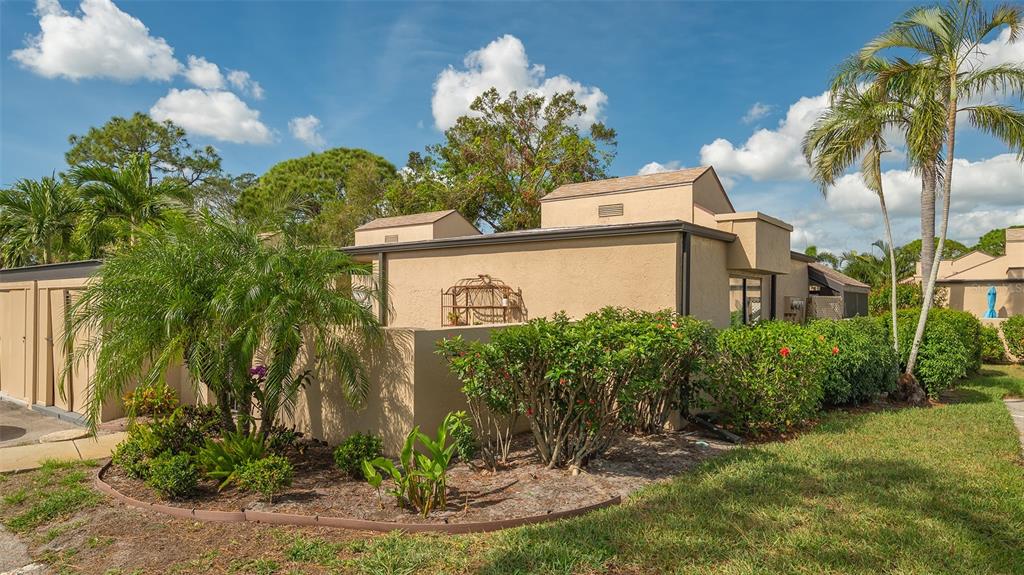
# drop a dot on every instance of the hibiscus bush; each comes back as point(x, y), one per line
point(992, 349)
point(769, 377)
point(578, 383)
point(863, 364)
point(1013, 331)
point(950, 348)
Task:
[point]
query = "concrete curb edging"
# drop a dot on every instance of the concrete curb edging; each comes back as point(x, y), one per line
point(273, 518)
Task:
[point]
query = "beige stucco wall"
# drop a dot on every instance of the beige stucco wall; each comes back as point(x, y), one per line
point(572, 275)
point(453, 226)
point(709, 280)
point(793, 284)
point(762, 242)
point(708, 192)
point(405, 234)
point(973, 297)
point(653, 205)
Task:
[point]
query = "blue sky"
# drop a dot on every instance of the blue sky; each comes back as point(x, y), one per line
point(732, 84)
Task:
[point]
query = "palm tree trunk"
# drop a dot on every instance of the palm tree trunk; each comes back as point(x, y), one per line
point(928, 182)
point(892, 268)
point(947, 188)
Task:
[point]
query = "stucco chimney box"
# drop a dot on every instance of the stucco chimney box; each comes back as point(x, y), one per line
point(1015, 244)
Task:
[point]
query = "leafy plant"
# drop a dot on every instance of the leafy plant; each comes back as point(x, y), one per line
point(421, 479)
point(132, 455)
point(157, 400)
point(267, 476)
point(949, 350)
point(992, 349)
point(1013, 331)
point(768, 377)
point(863, 363)
point(354, 449)
point(173, 475)
point(223, 460)
point(463, 437)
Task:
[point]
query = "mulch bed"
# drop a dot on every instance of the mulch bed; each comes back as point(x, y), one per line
point(523, 488)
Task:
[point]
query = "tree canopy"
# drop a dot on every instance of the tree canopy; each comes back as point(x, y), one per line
point(993, 242)
point(496, 163)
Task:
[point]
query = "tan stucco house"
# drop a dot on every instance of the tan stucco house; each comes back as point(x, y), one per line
point(663, 241)
point(967, 280)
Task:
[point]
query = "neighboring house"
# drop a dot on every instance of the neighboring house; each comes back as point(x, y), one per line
point(851, 294)
point(967, 280)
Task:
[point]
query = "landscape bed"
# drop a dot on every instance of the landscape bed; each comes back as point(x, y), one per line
point(522, 489)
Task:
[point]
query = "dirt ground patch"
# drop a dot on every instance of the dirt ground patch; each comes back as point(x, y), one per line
point(523, 488)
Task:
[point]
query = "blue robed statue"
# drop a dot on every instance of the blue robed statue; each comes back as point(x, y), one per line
point(991, 302)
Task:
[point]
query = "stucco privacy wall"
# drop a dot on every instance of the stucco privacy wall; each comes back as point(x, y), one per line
point(793, 284)
point(709, 280)
point(973, 297)
point(577, 275)
point(410, 385)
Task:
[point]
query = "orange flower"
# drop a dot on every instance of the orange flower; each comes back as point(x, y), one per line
point(835, 350)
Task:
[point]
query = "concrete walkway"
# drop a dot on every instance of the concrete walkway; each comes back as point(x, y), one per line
point(32, 456)
point(20, 425)
point(1016, 407)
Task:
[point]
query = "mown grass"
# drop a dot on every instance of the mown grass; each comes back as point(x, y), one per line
point(58, 489)
point(938, 490)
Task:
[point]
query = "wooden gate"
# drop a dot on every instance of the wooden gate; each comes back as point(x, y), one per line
point(14, 344)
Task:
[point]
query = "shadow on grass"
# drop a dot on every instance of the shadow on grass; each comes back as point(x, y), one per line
point(804, 508)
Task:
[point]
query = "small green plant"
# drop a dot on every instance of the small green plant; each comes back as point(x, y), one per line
point(222, 460)
point(992, 349)
point(52, 504)
point(173, 476)
point(354, 449)
point(421, 479)
point(268, 476)
point(1013, 331)
point(155, 400)
point(463, 437)
point(16, 497)
point(132, 455)
point(280, 438)
point(313, 550)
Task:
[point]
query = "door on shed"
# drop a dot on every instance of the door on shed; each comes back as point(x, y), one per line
point(14, 343)
point(66, 394)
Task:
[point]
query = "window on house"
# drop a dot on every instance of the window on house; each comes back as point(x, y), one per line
point(745, 301)
point(392, 239)
point(609, 210)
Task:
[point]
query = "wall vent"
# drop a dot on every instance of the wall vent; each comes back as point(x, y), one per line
point(391, 239)
point(609, 210)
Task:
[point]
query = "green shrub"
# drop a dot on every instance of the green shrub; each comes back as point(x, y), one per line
point(578, 383)
point(172, 476)
point(992, 349)
point(222, 460)
point(863, 364)
point(907, 296)
point(463, 436)
point(132, 455)
point(945, 355)
point(967, 328)
point(354, 449)
point(268, 476)
point(1013, 331)
point(768, 377)
point(179, 432)
point(156, 400)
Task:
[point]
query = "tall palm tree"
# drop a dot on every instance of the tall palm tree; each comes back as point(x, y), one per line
point(37, 221)
point(949, 72)
point(853, 127)
point(119, 201)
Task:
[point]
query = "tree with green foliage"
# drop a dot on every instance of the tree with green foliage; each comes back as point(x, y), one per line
point(117, 202)
point(210, 294)
point(295, 193)
point(993, 242)
point(37, 222)
point(828, 258)
point(120, 139)
point(944, 77)
point(498, 161)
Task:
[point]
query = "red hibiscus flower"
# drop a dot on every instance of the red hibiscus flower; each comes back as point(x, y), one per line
point(784, 352)
point(835, 350)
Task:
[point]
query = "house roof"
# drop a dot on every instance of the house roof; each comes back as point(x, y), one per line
point(410, 220)
point(626, 184)
point(838, 281)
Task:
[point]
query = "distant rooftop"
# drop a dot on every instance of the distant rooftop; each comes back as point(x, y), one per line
point(627, 183)
point(834, 278)
point(410, 220)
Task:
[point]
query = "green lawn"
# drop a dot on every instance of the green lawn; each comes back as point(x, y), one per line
point(937, 490)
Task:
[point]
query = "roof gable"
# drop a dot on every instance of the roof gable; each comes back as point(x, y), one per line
point(626, 184)
point(409, 220)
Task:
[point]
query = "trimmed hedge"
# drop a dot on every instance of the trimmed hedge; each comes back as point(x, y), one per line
point(863, 365)
point(769, 377)
point(992, 349)
point(950, 349)
point(1013, 331)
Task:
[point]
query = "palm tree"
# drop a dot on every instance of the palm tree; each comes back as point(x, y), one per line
point(948, 74)
point(822, 256)
point(119, 201)
point(37, 221)
point(212, 295)
point(853, 127)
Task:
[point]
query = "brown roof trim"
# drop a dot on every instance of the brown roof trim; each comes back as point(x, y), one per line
point(629, 184)
point(545, 234)
point(419, 219)
point(801, 257)
point(42, 272)
point(836, 280)
point(990, 281)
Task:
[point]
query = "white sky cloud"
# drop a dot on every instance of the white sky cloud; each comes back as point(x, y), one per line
point(218, 114)
point(756, 112)
point(307, 130)
point(100, 42)
point(769, 154)
point(503, 64)
point(204, 74)
point(242, 82)
point(657, 168)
